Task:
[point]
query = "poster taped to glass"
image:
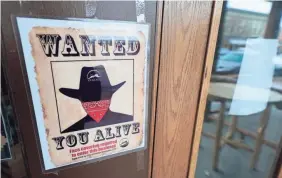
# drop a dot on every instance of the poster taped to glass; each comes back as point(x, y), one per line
point(88, 81)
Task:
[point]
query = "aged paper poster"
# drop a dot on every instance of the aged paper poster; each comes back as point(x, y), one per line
point(88, 82)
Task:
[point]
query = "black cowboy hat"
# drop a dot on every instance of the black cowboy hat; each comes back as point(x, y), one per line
point(94, 85)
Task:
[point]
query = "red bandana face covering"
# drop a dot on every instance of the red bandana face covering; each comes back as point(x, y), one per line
point(96, 109)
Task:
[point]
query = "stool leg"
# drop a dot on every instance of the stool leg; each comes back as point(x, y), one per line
point(232, 127)
point(260, 136)
point(231, 130)
point(219, 127)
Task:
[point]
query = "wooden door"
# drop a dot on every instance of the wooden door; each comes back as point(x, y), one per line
point(179, 37)
point(184, 37)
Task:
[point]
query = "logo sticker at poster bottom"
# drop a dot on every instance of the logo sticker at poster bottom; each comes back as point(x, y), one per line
point(124, 142)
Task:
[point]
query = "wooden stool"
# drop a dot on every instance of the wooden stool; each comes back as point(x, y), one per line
point(216, 94)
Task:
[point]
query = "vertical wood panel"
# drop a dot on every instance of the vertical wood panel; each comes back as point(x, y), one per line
point(184, 38)
point(215, 22)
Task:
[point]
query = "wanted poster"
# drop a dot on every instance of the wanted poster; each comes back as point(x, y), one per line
point(88, 83)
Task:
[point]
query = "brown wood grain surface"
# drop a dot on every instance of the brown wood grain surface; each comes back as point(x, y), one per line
point(214, 27)
point(119, 167)
point(183, 46)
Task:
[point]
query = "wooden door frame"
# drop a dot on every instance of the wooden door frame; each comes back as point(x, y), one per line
point(213, 35)
point(172, 158)
point(156, 170)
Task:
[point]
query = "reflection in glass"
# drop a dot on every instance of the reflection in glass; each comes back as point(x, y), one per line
point(241, 136)
point(12, 158)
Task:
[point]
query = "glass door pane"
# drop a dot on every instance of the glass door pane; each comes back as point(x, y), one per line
point(241, 134)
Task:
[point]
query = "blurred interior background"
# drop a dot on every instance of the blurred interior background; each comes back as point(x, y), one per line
point(241, 134)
